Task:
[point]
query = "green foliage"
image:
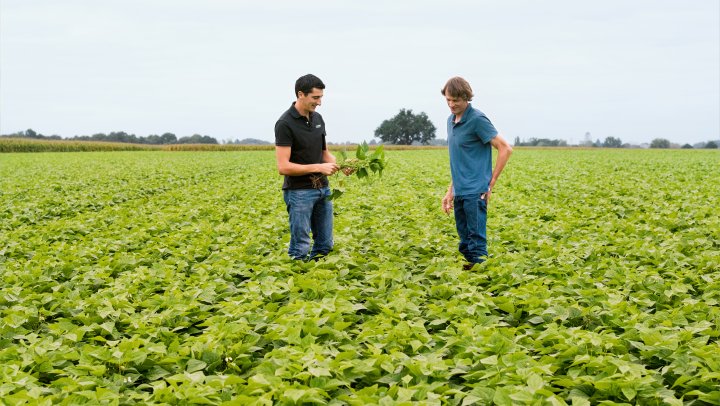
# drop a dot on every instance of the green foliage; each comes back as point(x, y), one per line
point(405, 128)
point(162, 278)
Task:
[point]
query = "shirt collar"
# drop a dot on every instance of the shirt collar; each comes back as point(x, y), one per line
point(296, 114)
point(465, 113)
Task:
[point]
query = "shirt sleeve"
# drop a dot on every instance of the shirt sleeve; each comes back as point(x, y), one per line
point(324, 134)
point(485, 129)
point(283, 135)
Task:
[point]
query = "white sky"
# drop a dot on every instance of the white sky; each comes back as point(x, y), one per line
point(636, 70)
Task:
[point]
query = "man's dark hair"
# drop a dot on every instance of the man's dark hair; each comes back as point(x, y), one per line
point(306, 84)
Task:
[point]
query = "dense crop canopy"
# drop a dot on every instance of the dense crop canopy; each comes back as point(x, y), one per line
point(162, 278)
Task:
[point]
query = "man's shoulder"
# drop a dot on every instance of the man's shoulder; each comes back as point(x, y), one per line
point(482, 125)
point(476, 113)
point(285, 116)
point(478, 118)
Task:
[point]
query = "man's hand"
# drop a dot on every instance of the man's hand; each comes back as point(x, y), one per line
point(328, 168)
point(447, 202)
point(486, 196)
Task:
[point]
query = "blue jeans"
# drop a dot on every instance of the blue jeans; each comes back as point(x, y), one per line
point(471, 223)
point(310, 212)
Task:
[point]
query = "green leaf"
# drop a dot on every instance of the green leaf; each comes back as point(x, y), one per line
point(535, 382)
point(502, 397)
point(319, 371)
point(361, 151)
point(294, 394)
point(195, 365)
point(335, 194)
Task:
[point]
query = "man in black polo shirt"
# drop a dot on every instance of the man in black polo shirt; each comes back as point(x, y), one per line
point(303, 158)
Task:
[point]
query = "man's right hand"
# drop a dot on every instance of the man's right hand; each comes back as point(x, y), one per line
point(327, 168)
point(447, 202)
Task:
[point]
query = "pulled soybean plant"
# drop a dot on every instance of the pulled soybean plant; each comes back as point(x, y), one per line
point(362, 165)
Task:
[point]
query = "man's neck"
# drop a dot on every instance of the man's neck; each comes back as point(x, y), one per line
point(304, 113)
point(458, 116)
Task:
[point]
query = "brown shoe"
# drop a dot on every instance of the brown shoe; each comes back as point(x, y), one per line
point(468, 266)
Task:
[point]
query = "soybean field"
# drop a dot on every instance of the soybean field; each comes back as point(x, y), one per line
point(161, 277)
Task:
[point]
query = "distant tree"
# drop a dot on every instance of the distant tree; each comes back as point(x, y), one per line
point(687, 146)
point(120, 136)
point(711, 145)
point(517, 141)
point(612, 142)
point(152, 139)
point(541, 142)
point(29, 133)
point(197, 139)
point(660, 143)
point(168, 138)
point(405, 128)
point(252, 141)
point(545, 142)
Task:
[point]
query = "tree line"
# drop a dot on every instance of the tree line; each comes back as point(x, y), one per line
point(405, 128)
point(121, 136)
point(610, 142)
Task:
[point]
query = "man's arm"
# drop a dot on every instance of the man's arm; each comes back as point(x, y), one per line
point(328, 157)
point(285, 167)
point(447, 201)
point(504, 151)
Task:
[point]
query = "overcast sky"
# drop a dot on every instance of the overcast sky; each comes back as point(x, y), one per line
point(634, 70)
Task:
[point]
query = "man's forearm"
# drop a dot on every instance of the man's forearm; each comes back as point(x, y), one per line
point(293, 169)
point(502, 159)
point(329, 157)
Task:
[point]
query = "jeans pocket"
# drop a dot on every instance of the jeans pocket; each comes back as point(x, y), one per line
point(325, 192)
point(482, 201)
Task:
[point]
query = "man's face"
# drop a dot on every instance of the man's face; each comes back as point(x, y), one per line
point(310, 101)
point(457, 105)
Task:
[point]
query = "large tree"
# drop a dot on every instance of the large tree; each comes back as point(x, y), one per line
point(660, 143)
point(612, 142)
point(405, 128)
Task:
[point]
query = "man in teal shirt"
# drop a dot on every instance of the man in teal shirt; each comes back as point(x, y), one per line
point(470, 138)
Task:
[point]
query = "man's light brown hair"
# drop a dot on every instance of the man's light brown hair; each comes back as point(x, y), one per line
point(459, 88)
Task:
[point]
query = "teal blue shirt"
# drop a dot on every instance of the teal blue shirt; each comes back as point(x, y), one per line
point(470, 151)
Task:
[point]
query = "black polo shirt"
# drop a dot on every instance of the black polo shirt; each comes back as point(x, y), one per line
point(306, 140)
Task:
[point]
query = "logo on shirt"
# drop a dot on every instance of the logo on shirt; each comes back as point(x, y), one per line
point(318, 126)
